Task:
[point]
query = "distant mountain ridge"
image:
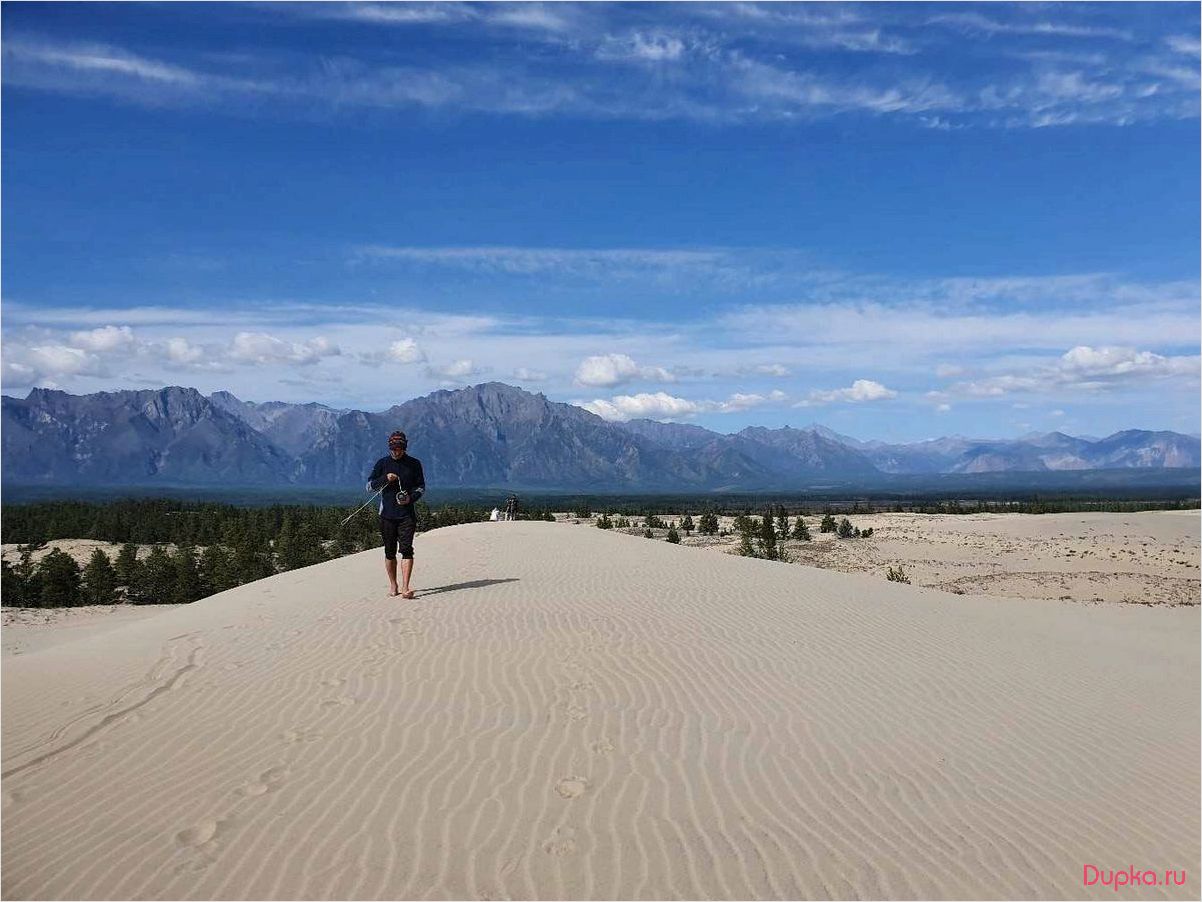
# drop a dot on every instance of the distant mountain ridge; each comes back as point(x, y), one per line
point(494, 434)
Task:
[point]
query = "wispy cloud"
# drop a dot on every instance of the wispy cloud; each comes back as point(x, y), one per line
point(982, 24)
point(534, 260)
point(725, 64)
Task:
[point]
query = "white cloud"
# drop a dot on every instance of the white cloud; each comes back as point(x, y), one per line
point(641, 46)
point(942, 408)
point(1086, 362)
point(777, 370)
point(457, 371)
point(535, 260)
point(974, 22)
point(260, 348)
point(1084, 368)
point(745, 401)
point(947, 370)
point(524, 374)
point(104, 340)
point(1187, 44)
point(661, 405)
point(859, 392)
point(644, 404)
point(732, 74)
point(178, 350)
point(608, 370)
point(18, 375)
point(405, 350)
point(58, 361)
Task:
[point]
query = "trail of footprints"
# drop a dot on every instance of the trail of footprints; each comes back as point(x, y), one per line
point(563, 841)
point(203, 838)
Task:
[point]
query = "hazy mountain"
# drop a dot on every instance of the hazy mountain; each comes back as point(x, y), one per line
point(293, 427)
point(497, 435)
point(172, 435)
point(681, 436)
point(814, 452)
point(1140, 448)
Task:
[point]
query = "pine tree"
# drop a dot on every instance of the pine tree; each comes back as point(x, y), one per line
point(782, 522)
point(845, 531)
point(30, 577)
point(309, 548)
point(648, 534)
point(604, 522)
point(801, 532)
point(828, 523)
point(187, 587)
point(746, 549)
point(286, 548)
point(99, 580)
point(251, 560)
point(768, 549)
point(217, 571)
point(686, 525)
point(127, 564)
point(60, 580)
point(12, 587)
point(344, 540)
point(673, 535)
point(155, 580)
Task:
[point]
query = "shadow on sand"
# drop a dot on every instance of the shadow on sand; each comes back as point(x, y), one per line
point(472, 584)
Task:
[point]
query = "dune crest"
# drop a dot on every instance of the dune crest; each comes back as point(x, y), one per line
point(568, 713)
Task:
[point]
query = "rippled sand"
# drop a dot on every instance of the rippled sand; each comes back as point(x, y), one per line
point(1150, 557)
point(573, 713)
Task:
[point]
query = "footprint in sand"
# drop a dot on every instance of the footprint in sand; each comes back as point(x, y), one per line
point(571, 787)
point(575, 712)
point(268, 781)
point(562, 842)
point(602, 746)
point(333, 683)
point(338, 702)
point(198, 834)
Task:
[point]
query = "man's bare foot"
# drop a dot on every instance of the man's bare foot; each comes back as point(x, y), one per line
point(393, 591)
point(408, 593)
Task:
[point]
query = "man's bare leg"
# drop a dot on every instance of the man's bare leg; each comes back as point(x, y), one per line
point(406, 570)
point(390, 569)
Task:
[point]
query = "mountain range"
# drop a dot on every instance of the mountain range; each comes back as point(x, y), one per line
point(493, 435)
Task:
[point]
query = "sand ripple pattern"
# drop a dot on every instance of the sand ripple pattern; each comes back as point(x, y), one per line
point(566, 713)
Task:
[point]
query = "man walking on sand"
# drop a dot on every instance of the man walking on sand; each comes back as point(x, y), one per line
point(401, 478)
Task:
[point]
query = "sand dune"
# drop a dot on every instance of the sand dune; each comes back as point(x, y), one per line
point(1144, 557)
point(570, 713)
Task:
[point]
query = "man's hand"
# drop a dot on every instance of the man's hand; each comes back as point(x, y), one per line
point(392, 477)
point(402, 497)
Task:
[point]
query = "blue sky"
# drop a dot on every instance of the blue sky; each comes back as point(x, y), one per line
point(902, 221)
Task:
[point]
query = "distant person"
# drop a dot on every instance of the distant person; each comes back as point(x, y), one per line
point(401, 478)
point(511, 507)
point(495, 515)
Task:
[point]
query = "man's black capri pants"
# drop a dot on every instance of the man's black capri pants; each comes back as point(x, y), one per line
point(398, 533)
